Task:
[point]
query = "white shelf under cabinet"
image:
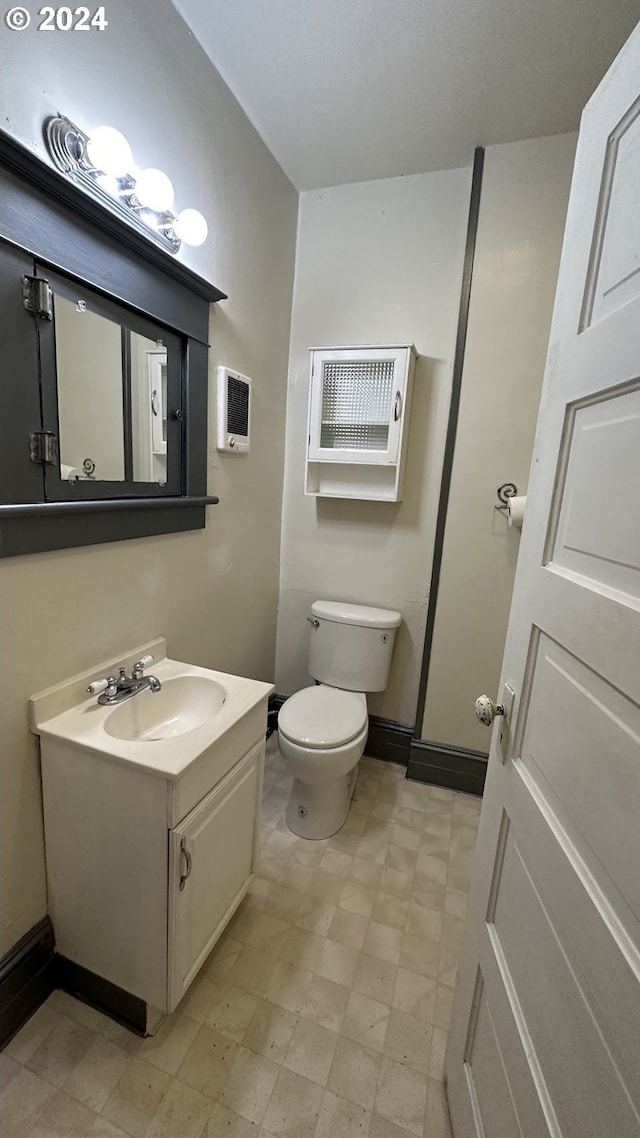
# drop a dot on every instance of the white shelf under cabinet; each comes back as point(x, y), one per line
point(359, 405)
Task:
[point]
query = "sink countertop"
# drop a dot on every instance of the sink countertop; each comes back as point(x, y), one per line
point(83, 725)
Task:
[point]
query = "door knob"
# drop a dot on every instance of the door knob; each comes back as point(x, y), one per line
point(486, 710)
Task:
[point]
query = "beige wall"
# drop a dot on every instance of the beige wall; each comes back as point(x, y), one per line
point(522, 213)
point(212, 593)
point(378, 262)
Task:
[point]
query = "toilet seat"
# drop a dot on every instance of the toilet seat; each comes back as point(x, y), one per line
point(322, 717)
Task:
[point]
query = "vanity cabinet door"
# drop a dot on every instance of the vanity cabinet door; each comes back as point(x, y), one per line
point(210, 865)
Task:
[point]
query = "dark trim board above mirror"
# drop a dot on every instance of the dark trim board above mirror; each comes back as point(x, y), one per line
point(47, 221)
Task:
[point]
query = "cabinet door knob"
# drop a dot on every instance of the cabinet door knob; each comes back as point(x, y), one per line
point(188, 864)
point(486, 710)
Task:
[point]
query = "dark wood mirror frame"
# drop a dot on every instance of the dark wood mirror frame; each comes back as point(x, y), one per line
point(45, 217)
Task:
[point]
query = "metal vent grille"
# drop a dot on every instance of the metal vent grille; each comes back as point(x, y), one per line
point(237, 407)
point(356, 404)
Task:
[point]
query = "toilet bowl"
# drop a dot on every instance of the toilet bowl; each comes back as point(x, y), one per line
point(322, 730)
point(322, 733)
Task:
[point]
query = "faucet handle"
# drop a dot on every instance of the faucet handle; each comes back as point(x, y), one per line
point(139, 668)
point(108, 684)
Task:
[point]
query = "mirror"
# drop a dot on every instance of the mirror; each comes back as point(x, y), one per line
point(112, 398)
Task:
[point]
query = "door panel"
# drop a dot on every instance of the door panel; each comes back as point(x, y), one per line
point(211, 860)
point(554, 913)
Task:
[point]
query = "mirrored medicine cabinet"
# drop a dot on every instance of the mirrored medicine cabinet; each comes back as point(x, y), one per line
point(103, 377)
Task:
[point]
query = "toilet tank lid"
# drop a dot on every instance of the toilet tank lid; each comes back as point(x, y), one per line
point(362, 615)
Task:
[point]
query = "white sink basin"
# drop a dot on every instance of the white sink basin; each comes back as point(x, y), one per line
point(183, 704)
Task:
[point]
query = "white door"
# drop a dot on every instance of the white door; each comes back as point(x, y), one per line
point(545, 1033)
point(211, 855)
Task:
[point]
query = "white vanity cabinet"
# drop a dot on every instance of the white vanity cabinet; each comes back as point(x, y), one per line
point(150, 845)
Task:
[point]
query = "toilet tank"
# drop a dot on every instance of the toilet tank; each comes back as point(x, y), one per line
point(351, 645)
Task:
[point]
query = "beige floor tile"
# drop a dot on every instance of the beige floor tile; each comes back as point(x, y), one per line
point(366, 872)
point(340, 1118)
point(442, 1008)
point(182, 1112)
point(414, 995)
point(404, 860)
point(382, 1128)
point(405, 836)
point(253, 969)
point(429, 894)
point(60, 1051)
point(324, 888)
point(33, 1033)
point(436, 1122)
point(270, 1031)
point(365, 1021)
point(8, 1070)
point(78, 1011)
point(63, 1117)
point(247, 1088)
point(102, 1128)
point(296, 876)
point(385, 810)
point(389, 910)
point(137, 1096)
point(455, 903)
point(337, 962)
point(423, 922)
point(97, 1074)
point(348, 928)
point(300, 947)
point(325, 1003)
point(371, 849)
point(208, 1062)
point(232, 1012)
point(223, 1123)
point(168, 1047)
point(284, 903)
point(335, 863)
point(264, 929)
point(452, 930)
point(438, 1049)
point(289, 986)
point(414, 796)
point(379, 829)
point(410, 819)
point(383, 942)
point(200, 997)
point(420, 955)
point(357, 898)
point(316, 916)
point(22, 1103)
point(432, 867)
point(401, 1095)
point(396, 883)
point(311, 1051)
point(408, 1040)
point(375, 978)
point(354, 1073)
point(294, 1106)
point(448, 965)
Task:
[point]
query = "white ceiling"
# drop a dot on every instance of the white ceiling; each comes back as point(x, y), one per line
point(349, 90)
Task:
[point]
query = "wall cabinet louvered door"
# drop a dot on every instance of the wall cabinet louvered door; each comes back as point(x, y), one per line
point(359, 404)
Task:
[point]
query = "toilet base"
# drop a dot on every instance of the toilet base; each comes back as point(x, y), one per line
point(317, 812)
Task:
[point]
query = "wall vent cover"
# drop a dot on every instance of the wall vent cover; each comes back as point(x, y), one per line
point(234, 411)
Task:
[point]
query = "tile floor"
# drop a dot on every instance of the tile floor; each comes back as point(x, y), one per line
point(321, 1013)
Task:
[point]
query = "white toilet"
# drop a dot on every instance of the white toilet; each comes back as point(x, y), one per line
point(322, 730)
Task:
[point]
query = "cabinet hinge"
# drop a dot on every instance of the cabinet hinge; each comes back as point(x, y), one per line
point(37, 297)
point(43, 447)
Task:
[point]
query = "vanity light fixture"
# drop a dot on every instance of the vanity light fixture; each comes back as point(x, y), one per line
point(102, 164)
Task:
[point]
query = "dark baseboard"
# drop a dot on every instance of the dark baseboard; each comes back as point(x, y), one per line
point(102, 994)
point(27, 977)
point(387, 739)
point(453, 767)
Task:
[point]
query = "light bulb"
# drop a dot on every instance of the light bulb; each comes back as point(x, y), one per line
point(191, 227)
point(154, 190)
point(109, 151)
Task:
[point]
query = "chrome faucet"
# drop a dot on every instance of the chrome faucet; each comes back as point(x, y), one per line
point(115, 689)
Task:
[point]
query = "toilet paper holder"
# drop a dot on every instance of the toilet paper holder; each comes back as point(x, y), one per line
point(504, 492)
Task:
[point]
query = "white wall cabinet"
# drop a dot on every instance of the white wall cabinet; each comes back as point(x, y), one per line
point(359, 406)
